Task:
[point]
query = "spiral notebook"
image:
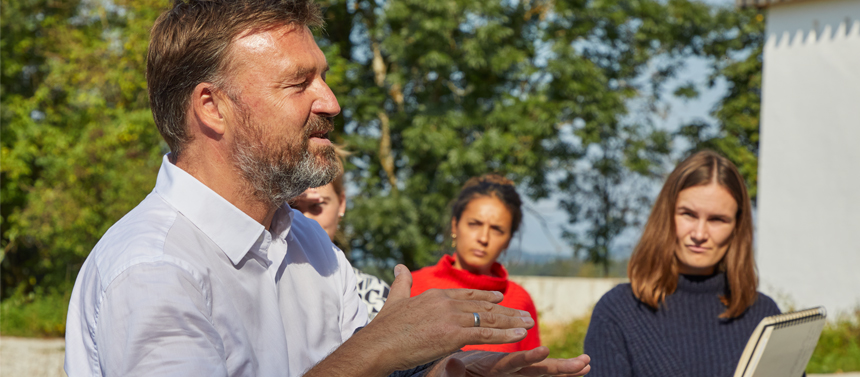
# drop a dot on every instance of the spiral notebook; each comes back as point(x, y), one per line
point(782, 344)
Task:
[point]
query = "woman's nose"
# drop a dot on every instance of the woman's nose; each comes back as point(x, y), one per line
point(700, 232)
point(484, 236)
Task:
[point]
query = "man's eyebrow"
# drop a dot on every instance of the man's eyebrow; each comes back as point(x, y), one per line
point(305, 71)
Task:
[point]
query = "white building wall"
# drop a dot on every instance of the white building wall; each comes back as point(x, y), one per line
point(808, 235)
point(562, 299)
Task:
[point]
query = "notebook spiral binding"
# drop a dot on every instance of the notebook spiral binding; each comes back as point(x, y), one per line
point(801, 317)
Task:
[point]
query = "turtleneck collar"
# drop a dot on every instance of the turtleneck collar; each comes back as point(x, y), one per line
point(499, 282)
point(715, 283)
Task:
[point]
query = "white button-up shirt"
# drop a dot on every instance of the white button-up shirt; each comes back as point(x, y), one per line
point(186, 284)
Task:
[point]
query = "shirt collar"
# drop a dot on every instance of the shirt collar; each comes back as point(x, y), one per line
point(231, 229)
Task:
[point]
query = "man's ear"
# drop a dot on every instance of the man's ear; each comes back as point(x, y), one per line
point(209, 107)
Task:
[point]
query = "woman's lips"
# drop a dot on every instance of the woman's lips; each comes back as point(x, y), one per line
point(479, 253)
point(698, 249)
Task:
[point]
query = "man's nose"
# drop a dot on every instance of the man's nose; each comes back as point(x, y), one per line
point(326, 103)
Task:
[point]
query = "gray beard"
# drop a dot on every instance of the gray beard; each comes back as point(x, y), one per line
point(276, 175)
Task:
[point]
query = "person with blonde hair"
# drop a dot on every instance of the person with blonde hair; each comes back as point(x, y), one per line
point(327, 205)
point(485, 216)
point(691, 303)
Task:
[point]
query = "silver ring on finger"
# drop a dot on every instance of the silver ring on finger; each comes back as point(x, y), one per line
point(477, 319)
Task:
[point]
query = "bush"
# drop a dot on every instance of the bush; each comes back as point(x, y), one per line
point(565, 341)
point(838, 349)
point(40, 313)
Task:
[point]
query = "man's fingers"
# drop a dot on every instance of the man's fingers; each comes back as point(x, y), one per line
point(577, 366)
point(486, 307)
point(497, 320)
point(517, 361)
point(402, 286)
point(486, 335)
point(474, 294)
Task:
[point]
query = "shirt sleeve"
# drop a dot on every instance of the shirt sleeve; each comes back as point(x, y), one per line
point(604, 343)
point(354, 313)
point(155, 320)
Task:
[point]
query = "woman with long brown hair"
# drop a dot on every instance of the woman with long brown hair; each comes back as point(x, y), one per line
point(691, 303)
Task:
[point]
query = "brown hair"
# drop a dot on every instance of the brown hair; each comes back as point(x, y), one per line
point(190, 44)
point(653, 267)
point(337, 183)
point(492, 185)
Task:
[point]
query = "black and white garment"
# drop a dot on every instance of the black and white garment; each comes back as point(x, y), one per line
point(372, 290)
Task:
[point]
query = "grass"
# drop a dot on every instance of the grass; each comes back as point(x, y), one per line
point(565, 341)
point(838, 348)
point(38, 314)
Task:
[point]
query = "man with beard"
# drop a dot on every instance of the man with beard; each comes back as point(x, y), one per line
point(213, 274)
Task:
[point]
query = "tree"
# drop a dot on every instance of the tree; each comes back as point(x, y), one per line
point(735, 52)
point(437, 92)
point(79, 146)
point(433, 92)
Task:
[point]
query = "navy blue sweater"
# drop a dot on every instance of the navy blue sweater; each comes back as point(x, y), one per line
point(685, 337)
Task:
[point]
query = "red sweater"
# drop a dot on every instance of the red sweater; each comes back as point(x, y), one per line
point(444, 276)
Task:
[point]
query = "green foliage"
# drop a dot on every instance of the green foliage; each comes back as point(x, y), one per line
point(568, 340)
point(735, 53)
point(41, 313)
point(79, 146)
point(432, 93)
point(838, 348)
point(528, 89)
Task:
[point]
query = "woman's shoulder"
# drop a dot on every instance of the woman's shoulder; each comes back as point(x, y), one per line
point(765, 305)
point(621, 296)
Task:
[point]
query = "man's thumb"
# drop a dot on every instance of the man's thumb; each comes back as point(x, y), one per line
point(402, 286)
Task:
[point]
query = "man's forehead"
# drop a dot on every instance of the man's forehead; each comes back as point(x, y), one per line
point(262, 39)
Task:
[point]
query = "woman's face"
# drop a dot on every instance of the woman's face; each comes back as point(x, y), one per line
point(482, 234)
point(704, 223)
point(323, 205)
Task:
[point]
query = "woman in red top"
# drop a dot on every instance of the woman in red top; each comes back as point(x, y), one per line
point(485, 216)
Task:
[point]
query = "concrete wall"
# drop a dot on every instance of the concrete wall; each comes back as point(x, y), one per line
point(808, 235)
point(562, 299)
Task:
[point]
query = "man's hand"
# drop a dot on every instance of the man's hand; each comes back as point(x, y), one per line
point(523, 363)
point(413, 331)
